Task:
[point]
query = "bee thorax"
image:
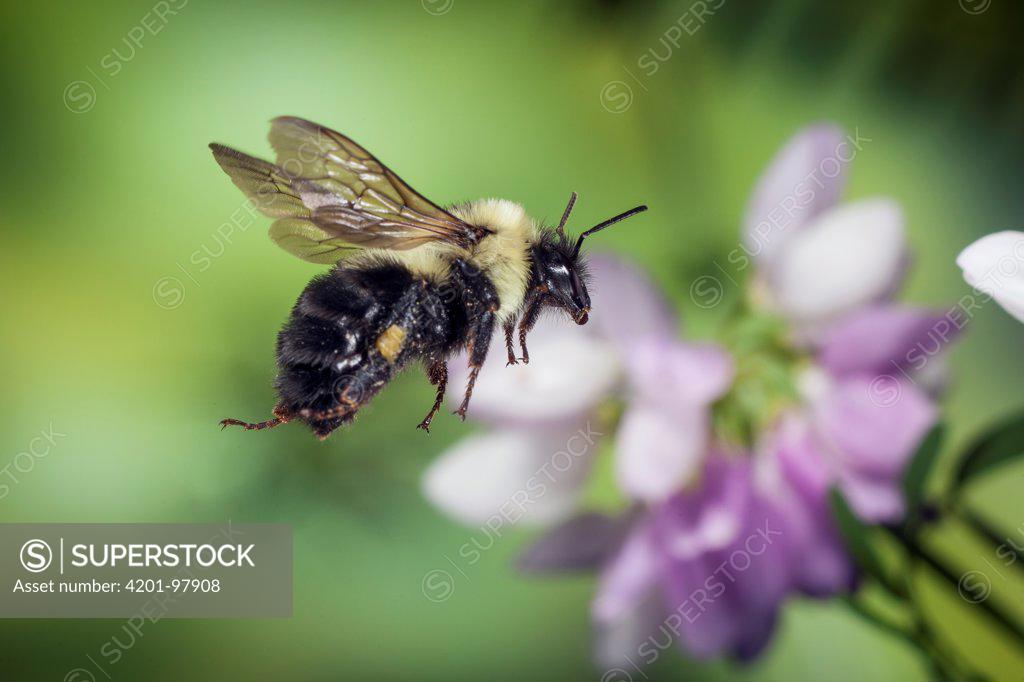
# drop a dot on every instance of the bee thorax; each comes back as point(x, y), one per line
point(504, 255)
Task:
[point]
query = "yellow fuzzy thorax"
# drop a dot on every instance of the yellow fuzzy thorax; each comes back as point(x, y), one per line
point(504, 256)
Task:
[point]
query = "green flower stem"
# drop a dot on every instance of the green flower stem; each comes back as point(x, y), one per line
point(1002, 544)
point(920, 637)
point(922, 554)
point(862, 609)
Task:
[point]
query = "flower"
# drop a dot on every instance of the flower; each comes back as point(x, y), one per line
point(994, 265)
point(830, 270)
point(863, 416)
point(543, 431)
point(665, 431)
point(534, 413)
point(864, 411)
point(707, 568)
point(816, 260)
point(727, 453)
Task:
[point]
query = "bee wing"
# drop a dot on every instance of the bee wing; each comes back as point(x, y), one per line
point(332, 197)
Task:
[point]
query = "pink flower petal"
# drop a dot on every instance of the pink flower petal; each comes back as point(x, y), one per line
point(794, 477)
point(804, 179)
point(628, 580)
point(618, 642)
point(875, 425)
point(710, 517)
point(627, 305)
point(799, 456)
point(728, 560)
point(873, 500)
point(712, 627)
point(885, 339)
point(670, 373)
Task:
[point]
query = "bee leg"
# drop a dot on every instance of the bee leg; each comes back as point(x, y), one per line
point(482, 307)
point(531, 313)
point(437, 372)
point(510, 327)
point(250, 426)
point(474, 370)
point(281, 416)
point(478, 346)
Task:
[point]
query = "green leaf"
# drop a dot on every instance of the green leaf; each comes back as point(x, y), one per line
point(856, 538)
point(916, 476)
point(1001, 444)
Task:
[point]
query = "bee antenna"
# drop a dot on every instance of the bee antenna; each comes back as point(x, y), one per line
point(565, 216)
point(601, 226)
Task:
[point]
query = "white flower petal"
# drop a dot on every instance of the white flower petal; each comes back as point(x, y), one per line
point(849, 257)
point(570, 371)
point(511, 476)
point(995, 265)
point(658, 452)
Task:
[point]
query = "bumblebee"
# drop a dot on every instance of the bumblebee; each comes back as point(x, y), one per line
point(410, 282)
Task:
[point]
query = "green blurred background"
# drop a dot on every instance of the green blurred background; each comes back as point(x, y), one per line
point(132, 325)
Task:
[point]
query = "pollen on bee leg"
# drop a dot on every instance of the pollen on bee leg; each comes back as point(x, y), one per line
point(389, 344)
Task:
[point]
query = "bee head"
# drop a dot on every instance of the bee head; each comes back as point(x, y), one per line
point(559, 269)
point(561, 276)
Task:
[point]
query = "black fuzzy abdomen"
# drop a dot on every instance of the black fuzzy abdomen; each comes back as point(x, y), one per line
point(329, 353)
